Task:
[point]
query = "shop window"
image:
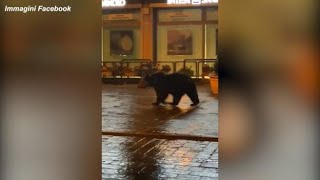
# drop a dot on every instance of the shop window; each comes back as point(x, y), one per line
point(212, 14)
point(121, 43)
point(179, 37)
point(211, 41)
point(121, 35)
point(179, 42)
point(189, 33)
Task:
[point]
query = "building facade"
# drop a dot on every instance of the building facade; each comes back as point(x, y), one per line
point(163, 31)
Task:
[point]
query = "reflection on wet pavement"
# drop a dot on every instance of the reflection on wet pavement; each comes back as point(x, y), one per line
point(150, 158)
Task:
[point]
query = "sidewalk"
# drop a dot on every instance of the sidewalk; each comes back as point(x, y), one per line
point(131, 112)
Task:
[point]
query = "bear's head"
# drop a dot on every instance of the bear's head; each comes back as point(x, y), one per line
point(150, 79)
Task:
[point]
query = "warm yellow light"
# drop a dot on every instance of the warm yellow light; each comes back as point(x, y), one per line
point(113, 3)
point(193, 2)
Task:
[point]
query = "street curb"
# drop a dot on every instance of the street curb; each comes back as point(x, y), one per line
point(164, 136)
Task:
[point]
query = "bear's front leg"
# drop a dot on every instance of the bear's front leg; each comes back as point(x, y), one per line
point(176, 99)
point(161, 97)
point(193, 95)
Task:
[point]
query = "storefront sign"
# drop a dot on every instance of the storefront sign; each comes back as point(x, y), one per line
point(113, 3)
point(193, 2)
point(118, 17)
point(180, 15)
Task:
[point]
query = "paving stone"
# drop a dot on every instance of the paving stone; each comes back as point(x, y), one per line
point(209, 178)
point(209, 172)
point(209, 165)
point(196, 169)
point(188, 177)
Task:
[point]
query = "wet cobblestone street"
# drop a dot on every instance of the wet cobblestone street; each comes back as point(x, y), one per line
point(126, 108)
point(150, 158)
point(141, 141)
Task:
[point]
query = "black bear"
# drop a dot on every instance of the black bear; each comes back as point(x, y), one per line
point(176, 84)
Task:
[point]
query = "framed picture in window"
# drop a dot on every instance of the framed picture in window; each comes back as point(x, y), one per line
point(179, 42)
point(121, 42)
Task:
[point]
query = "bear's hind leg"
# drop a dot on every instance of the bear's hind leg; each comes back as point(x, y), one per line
point(193, 95)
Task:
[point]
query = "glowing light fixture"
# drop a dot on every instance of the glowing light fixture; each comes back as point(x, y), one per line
point(193, 2)
point(113, 3)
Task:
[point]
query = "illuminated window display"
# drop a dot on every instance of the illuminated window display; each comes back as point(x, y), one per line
point(187, 33)
point(121, 35)
point(166, 34)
